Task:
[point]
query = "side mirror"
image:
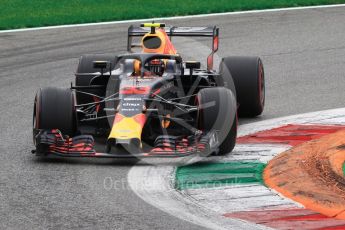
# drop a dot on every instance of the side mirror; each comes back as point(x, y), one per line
point(100, 64)
point(193, 65)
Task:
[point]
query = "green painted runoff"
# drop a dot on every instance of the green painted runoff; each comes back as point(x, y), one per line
point(204, 174)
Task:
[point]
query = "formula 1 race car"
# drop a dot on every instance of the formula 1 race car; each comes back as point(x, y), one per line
point(150, 103)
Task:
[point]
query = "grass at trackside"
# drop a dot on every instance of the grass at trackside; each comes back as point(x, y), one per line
point(33, 13)
point(344, 168)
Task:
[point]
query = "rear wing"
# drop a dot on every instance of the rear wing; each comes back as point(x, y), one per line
point(212, 32)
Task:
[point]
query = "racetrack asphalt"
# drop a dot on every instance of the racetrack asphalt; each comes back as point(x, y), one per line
point(304, 56)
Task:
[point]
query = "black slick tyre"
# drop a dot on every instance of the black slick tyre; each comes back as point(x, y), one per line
point(217, 112)
point(249, 80)
point(54, 108)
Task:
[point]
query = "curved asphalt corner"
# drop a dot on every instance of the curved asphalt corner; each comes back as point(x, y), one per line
point(304, 56)
point(233, 200)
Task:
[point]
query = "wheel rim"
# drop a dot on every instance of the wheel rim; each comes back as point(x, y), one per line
point(261, 85)
point(35, 122)
point(198, 113)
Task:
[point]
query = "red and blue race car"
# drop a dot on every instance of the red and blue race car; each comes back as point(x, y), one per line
point(150, 103)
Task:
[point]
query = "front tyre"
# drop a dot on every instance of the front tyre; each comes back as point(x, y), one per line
point(217, 112)
point(54, 108)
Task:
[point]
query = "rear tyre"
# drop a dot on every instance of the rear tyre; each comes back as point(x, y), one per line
point(249, 80)
point(86, 62)
point(217, 112)
point(54, 108)
point(85, 71)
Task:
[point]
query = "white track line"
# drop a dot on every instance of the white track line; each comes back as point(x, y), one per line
point(326, 116)
point(174, 18)
point(155, 184)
